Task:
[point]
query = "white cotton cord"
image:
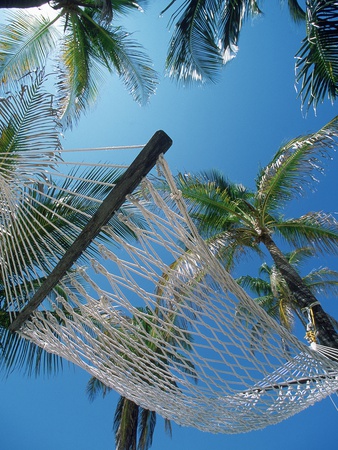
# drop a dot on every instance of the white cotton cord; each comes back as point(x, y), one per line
point(36, 271)
point(31, 220)
point(13, 270)
point(333, 402)
point(97, 149)
point(68, 206)
point(24, 167)
point(94, 164)
point(68, 177)
point(68, 192)
point(329, 352)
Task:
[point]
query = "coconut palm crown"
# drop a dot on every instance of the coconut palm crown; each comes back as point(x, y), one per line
point(273, 294)
point(81, 44)
point(234, 219)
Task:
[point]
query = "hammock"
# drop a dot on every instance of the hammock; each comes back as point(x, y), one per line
point(155, 317)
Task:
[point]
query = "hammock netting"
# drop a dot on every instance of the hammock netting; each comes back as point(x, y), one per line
point(153, 315)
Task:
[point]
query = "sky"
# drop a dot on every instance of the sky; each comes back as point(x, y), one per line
point(235, 125)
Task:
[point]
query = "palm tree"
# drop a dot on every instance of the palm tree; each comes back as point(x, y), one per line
point(274, 296)
point(317, 62)
point(84, 45)
point(38, 214)
point(234, 219)
point(207, 32)
point(134, 425)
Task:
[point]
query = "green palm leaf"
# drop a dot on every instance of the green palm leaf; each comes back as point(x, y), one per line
point(124, 6)
point(317, 60)
point(259, 286)
point(44, 227)
point(293, 167)
point(43, 216)
point(26, 41)
point(323, 281)
point(125, 424)
point(207, 32)
point(193, 53)
point(146, 428)
point(79, 73)
point(205, 37)
point(316, 230)
point(298, 256)
point(233, 13)
point(28, 124)
point(212, 200)
point(89, 48)
point(296, 11)
point(96, 387)
point(20, 354)
point(231, 246)
point(274, 296)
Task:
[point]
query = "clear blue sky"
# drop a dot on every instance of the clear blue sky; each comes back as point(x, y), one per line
point(236, 126)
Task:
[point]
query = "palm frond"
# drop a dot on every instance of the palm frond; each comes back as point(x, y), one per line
point(317, 60)
point(316, 230)
point(91, 48)
point(95, 387)
point(93, 185)
point(256, 285)
point(28, 123)
point(229, 247)
point(193, 51)
point(125, 424)
point(322, 281)
point(272, 295)
point(168, 427)
point(233, 14)
point(269, 304)
point(17, 353)
point(26, 41)
point(127, 58)
point(205, 37)
point(264, 270)
point(293, 167)
point(79, 76)
point(296, 11)
point(146, 428)
point(108, 9)
point(212, 200)
point(299, 255)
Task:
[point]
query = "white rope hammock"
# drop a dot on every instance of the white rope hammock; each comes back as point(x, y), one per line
point(181, 338)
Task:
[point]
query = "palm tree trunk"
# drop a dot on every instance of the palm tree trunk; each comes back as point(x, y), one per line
point(326, 332)
point(22, 3)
